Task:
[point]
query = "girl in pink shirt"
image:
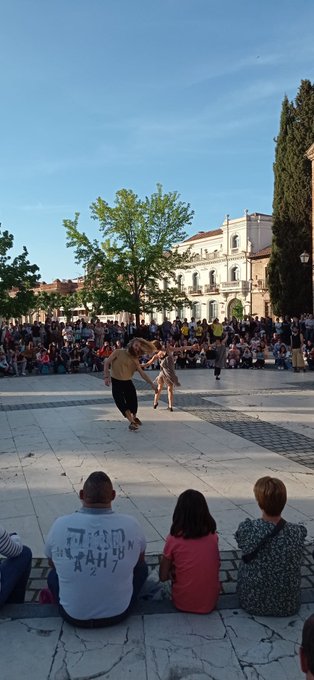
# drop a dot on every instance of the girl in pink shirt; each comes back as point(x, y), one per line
point(191, 556)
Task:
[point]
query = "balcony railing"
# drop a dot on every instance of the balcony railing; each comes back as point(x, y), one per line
point(195, 290)
point(235, 286)
point(211, 288)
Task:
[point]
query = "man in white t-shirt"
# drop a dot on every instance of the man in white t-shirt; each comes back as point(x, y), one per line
point(97, 558)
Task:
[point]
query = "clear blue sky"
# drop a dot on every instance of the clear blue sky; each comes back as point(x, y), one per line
point(102, 94)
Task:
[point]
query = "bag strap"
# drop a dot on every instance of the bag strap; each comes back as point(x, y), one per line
point(251, 556)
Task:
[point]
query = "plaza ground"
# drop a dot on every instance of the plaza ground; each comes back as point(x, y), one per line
point(222, 436)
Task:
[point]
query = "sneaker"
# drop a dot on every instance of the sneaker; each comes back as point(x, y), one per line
point(217, 377)
point(138, 421)
point(133, 427)
point(46, 597)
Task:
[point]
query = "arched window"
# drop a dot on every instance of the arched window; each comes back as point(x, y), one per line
point(180, 282)
point(196, 310)
point(195, 282)
point(179, 312)
point(235, 241)
point(212, 310)
point(235, 273)
point(212, 277)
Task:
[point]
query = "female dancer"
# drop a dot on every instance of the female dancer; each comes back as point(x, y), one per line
point(167, 375)
point(123, 364)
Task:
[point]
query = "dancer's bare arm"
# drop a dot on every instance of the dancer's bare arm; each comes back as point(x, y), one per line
point(145, 377)
point(151, 361)
point(107, 364)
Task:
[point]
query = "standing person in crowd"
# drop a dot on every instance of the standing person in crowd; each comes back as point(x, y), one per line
point(307, 648)
point(15, 569)
point(296, 345)
point(269, 577)
point(220, 355)
point(123, 364)
point(191, 555)
point(97, 558)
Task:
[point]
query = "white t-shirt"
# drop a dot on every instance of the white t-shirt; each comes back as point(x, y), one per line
point(94, 552)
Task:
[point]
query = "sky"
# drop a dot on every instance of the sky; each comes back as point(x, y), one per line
point(97, 95)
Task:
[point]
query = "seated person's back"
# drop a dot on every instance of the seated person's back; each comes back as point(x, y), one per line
point(94, 552)
point(269, 584)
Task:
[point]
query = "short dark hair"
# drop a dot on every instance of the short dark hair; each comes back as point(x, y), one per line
point(95, 487)
point(308, 642)
point(271, 495)
point(191, 517)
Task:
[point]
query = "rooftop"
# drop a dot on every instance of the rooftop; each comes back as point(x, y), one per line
point(204, 234)
point(264, 252)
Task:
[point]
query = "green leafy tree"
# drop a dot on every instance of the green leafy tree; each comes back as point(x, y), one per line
point(18, 277)
point(137, 249)
point(289, 281)
point(237, 310)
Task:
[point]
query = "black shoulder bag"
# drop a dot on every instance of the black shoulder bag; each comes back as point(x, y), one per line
point(251, 556)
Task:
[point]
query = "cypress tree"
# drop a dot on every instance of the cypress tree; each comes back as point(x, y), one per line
point(289, 280)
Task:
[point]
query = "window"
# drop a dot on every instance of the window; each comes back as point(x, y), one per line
point(235, 273)
point(212, 310)
point(180, 282)
point(235, 242)
point(196, 310)
point(179, 312)
point(195, 282)
point(212, 277)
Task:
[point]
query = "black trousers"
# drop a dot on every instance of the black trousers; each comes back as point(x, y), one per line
point(124, 394)
point(217, 371)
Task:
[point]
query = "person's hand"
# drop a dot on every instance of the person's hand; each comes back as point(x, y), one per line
point(107, 380)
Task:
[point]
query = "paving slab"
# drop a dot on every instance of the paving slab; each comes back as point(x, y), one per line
point(219, 646)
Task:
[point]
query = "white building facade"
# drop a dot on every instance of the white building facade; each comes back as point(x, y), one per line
point(220, 274)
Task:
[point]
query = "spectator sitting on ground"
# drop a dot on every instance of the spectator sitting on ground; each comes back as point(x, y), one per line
point(309, 353)
point(307, 648)
point(247, 358)
point(192, 356)
point(191, 556)
point(233, 357)
point(18, 361)
point(97, 558)
point(4, 364)
point(15, 569)
point(282, 358)
point(42, 359)
point(260, 357)
point(269, 576)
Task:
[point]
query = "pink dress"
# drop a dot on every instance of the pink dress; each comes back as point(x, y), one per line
point(195, 562)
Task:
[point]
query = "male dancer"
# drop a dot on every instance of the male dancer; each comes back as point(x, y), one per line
point(123, 364)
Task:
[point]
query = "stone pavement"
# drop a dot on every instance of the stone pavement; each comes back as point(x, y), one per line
point(55, 430)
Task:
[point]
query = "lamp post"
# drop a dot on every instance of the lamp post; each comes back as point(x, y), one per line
point(305, 257)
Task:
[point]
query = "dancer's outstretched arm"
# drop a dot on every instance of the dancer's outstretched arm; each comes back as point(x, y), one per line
point(145, 377)
point(151, 361)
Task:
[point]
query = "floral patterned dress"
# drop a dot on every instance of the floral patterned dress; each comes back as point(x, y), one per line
point(270, 584)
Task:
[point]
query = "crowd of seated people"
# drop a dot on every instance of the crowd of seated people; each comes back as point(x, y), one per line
point(57, 347)
point(269, 575)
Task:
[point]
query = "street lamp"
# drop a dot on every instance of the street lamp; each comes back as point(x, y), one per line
point(304, 257)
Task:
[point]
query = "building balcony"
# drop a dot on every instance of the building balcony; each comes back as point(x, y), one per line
point(195, 290)
point(235, 287)
point(211, 288)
